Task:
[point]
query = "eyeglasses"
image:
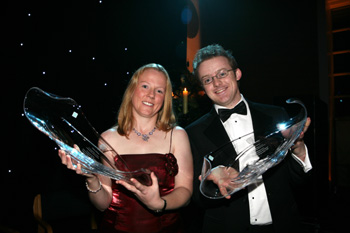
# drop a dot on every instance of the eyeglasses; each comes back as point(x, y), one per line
point(206, 80)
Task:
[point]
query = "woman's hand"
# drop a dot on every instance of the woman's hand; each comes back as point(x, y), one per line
point(68, 161)
point(149, 195)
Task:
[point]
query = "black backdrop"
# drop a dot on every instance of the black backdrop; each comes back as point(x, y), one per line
point(87, 50)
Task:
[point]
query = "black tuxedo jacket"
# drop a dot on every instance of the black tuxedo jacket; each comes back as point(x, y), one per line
point(206, 134)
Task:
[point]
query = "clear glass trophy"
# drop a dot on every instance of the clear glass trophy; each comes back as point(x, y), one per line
point(220, 176)
point(63, 121)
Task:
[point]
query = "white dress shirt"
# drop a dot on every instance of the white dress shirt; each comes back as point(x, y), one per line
point(236, 126)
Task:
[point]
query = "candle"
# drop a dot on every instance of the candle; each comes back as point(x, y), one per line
point(185, 100)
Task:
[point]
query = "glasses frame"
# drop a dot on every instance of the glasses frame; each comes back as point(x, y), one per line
point(211, 78)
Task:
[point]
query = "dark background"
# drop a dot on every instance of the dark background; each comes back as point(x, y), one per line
point(88, 50)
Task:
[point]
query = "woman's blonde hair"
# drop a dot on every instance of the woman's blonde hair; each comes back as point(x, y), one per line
point(166, 118)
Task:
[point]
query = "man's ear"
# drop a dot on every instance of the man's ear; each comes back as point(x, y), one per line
point(238, 74)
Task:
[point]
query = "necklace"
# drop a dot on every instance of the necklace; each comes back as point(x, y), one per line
point(145, 137)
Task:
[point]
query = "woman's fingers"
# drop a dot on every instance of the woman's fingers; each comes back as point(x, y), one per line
point(139, 187)
point(142, 188)
point(136, 187)
point(72, 164)
point(63, 156)
point(67, 160)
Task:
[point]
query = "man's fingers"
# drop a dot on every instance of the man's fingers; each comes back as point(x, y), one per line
point(224, 193)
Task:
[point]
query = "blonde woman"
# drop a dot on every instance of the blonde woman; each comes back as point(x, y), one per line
point(145, 137)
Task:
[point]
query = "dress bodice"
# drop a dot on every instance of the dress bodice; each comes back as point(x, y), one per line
point(127, 214)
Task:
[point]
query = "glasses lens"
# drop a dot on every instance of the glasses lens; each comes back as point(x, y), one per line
point(206, 81)
point(222, 74)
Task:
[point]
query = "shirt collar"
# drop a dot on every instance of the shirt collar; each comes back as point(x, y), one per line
point(217, 107)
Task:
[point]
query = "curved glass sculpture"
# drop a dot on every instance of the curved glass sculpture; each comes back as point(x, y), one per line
point(63, 121)
point(220, 177)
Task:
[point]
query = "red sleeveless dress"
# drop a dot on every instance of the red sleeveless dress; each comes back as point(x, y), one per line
point(127, 214)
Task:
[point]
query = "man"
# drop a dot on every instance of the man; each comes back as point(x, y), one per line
point(268, 205)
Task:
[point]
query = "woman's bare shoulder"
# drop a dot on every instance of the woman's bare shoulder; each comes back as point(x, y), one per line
point(110, 133)
point(179, 133)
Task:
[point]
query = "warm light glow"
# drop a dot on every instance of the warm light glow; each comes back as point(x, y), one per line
point(201, 93)
point(193, 43)
point(185, 92)
point(185, 100)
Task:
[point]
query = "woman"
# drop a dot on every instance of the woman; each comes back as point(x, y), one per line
point(145, 137)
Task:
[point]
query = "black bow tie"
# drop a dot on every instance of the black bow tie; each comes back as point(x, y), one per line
point(240, 108)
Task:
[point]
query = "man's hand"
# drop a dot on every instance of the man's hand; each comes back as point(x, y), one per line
point(222, 176)
point(299, 147)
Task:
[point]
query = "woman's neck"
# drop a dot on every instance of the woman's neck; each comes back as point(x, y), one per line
point(144, 125)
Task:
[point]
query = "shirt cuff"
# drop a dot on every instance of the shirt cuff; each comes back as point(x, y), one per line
point(305, 164)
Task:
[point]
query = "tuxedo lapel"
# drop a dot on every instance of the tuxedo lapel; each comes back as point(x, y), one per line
point(216, 133)
point(261, 122)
